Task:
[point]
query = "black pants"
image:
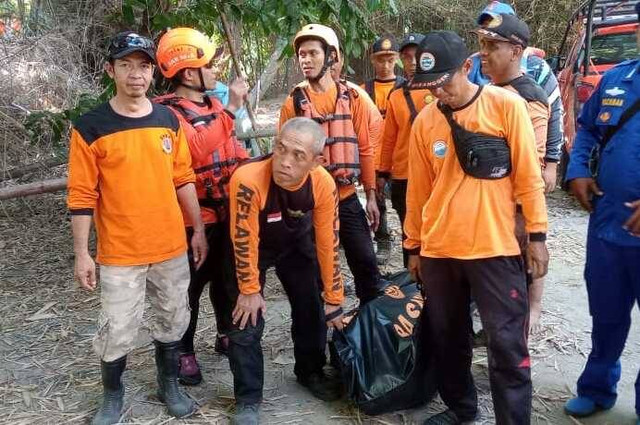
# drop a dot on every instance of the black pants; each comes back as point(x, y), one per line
point(298, 274)
point(382, 234)
point(219, 271)
point(498, 285)
point(355, 237)
point(399, 203)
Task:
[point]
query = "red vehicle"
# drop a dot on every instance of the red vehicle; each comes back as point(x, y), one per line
point(599, 35)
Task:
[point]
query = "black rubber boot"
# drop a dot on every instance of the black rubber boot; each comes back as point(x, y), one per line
point(111, 408)
point(167, 354)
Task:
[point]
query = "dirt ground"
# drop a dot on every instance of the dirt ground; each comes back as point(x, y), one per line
point(49, 375)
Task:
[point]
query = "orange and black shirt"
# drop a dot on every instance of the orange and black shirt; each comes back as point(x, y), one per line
point(403, 106)
point(379, 90)
point(125, 172)
point(537, 107)
point(267, 220)
point(453, 215)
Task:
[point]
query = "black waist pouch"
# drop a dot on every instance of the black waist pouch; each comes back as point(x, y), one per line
point(480, 155)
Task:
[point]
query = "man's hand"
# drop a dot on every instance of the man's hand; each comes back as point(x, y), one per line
point(373, 214)
point(583, 189)
point(336, 322)
point(85, 271)
point(238, 92)
point(381, 182)
point(550, 177)
point(413, 265)
point(537, 259)
point(248, 307)
point(199, 247)
point(633, 224)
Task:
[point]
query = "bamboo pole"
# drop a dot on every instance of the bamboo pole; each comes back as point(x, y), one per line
point(60, 184)
point(45, 186)
point(236, 65)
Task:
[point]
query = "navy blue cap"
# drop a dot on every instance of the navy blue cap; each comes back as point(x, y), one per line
point(638, 10)
point(384, 45)
point(507, 28)
point(411, 39)
point(495, 7)
point(438, 57)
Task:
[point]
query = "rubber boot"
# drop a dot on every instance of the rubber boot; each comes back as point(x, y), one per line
point(167, 355)
point(111, 408)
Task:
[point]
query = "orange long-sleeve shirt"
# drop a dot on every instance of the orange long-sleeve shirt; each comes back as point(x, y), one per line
point(394, 145)
point(453, 215)
point(367, 123)
point(265, 219)
point(125, 172)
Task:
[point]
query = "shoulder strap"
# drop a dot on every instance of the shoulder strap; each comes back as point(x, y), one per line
point(626, 116)
point(400, 80)
point(412, 106)
point(369, 87)
point(298, 100)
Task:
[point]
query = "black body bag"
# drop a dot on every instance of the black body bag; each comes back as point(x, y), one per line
point(383, 352)
point(480, 155)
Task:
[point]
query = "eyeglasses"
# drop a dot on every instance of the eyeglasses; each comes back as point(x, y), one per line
point(132, 40)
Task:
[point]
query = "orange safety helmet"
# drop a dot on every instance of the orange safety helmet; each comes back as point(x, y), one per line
point(181, 48)
point(318, 32)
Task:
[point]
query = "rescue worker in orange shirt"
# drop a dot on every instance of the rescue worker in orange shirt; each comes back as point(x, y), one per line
point(403, 106)
point(284, 214)
point(471, 157)
point(502, 43)
point(353, 125)
point(384, 56)
point(130, 170)
point(188, 58)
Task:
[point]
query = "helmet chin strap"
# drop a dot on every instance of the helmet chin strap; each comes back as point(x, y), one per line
point(200, 89)
point(328, 63)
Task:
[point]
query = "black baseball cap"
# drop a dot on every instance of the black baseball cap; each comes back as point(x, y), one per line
point(411, 39)
point(384, 45)
point(503, 27)
point(438, 57)
point(127, 42)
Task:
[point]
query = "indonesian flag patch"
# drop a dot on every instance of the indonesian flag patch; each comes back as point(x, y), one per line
point(274, 217)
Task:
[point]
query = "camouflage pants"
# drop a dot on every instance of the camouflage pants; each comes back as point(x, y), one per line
point(123, 290)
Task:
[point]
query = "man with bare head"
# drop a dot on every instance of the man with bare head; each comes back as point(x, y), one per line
point(284, 214)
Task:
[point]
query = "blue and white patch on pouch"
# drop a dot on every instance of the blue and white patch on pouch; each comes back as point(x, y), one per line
point(440, 149)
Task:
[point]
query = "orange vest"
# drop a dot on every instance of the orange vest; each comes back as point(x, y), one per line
point(341, 148)
point(214, 173)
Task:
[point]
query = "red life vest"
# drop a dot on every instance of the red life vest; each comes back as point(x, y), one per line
point(341, 147)
point(214, 172)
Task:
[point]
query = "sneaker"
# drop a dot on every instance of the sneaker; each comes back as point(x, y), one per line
point(445, 418)
point(321, 387)
point(222, 345)
point(246, 414)
point(583, 406)
point(189, 373)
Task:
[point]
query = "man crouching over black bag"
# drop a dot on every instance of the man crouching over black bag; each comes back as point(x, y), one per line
point(472, 155)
